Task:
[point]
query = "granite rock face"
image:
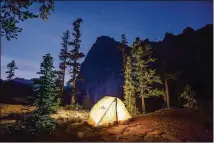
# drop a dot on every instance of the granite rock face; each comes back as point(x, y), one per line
point(189, 53)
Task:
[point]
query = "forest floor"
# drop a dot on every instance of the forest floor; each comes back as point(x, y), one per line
point(177, 124)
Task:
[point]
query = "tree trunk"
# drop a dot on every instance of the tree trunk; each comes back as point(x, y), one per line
point(143, 105)
point(179, 100)
point(73, 92)
point(62, 86)
point(167, 93)
point(165, 102)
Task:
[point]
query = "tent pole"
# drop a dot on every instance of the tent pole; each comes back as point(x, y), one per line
point(105, 113)
point(116, 112)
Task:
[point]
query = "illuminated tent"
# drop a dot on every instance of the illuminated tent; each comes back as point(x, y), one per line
point(108, 110)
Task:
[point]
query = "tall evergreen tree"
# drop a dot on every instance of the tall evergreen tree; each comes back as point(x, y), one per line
point(167, 77)
point(87, 101)
point(11, 70)
point(123, 49)
point(46, 97)
point(63, 57)
point(129, 88)
point(74, 56)
point(144, 75)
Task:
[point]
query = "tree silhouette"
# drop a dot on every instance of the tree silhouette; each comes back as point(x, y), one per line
point(14, 11)
point(87, 101)
point(123, 49)
point(11, 70)
point(63, 57)
point(167, 77)
point(74, 55)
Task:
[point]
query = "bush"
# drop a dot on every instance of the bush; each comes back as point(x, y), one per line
point(189, 97)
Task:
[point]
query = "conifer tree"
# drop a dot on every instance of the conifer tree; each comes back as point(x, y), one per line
point(11, 70)
point(87, 101)
point(63, 57)
point(74, 56)
point(129, 88)
point(145, 76)
point(14, 11)
point(167, 77)
point(46, 98)
point(122, 48)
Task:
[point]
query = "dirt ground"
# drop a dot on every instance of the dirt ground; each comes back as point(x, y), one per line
point(163, 125)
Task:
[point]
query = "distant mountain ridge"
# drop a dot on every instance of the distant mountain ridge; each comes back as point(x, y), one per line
point(28, 81)
point(102, 65)
point(190, 53)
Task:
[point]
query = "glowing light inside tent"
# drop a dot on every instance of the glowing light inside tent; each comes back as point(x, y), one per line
point(104, 111)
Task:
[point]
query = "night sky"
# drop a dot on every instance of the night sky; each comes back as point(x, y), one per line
point(144, 19)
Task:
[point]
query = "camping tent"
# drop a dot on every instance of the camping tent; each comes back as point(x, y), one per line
point(108, 110)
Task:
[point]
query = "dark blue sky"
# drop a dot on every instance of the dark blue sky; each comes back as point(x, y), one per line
point(144, 19)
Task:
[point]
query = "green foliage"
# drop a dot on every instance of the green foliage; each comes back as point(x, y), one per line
point(38, 124)
point(144, 76)
point(11, 70)
point(14, 11)
point(74, 55)
point(73, 107)
point(46, 100)
point(129, 89)
point(189, 97)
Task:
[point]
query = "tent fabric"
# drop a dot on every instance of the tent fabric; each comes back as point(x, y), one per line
point(108, 110)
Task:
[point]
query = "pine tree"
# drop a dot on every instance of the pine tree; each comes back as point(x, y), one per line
point(87, 101)
point(14, 11)
point(46, 100)
point(167, 77)
point(144, 75)
point(129, 89)
point(122, 48)
point(63, 57)
point(74, 56)
point(11, 70)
